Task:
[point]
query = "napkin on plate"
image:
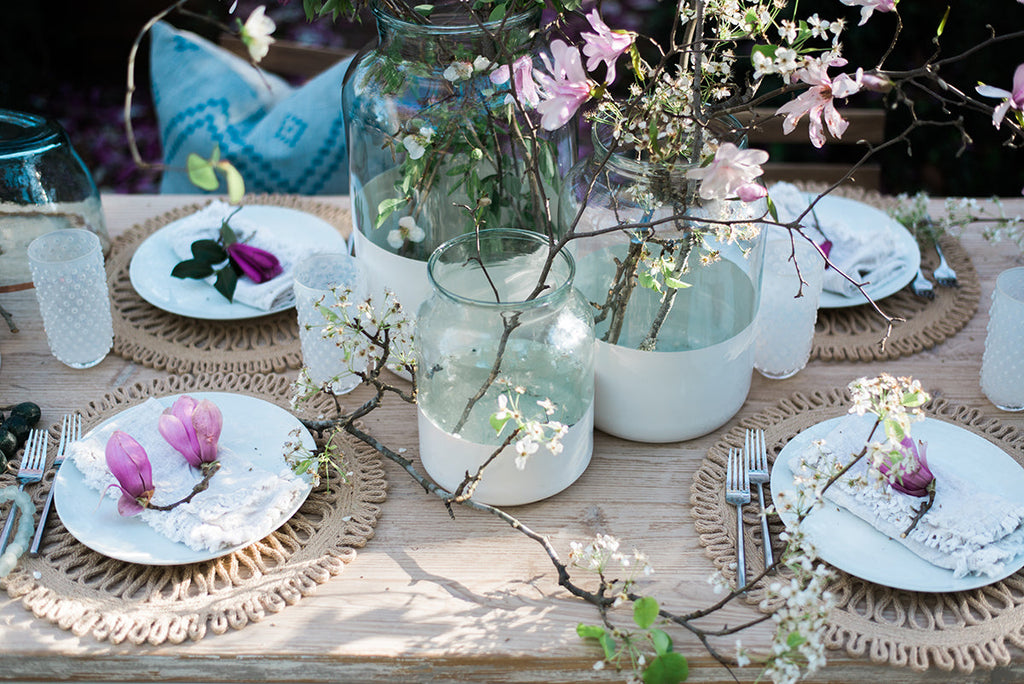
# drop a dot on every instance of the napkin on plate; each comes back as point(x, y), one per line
point(242, 502)
point(866, 252)
point(967, 530)
point(205, 224)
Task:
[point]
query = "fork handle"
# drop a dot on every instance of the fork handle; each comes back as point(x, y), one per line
point(766, 539)
point(741, 560)
point(37, 539)
point(9, 524)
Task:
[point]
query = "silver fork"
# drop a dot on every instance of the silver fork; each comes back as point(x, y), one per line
point(70, 431)
point(921, 286)
point(31, 471)
point(943, 274)
point(757, 469)
point(737, 492)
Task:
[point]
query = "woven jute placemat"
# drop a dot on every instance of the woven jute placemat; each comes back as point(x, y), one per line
point(959, 630)
point(855, 333)
point(166, 341)
point(87, 593)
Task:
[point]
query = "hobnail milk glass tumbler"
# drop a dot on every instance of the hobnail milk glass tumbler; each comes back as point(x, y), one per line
point(315, 278)
point(785, 322)
point(1002, 365)
point(71, 286)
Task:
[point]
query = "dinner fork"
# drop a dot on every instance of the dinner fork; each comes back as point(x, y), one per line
point(757, 469)
point(921, 286)
point(31, 471)
point(943, 274)
point(737, 493)
point(70, 431)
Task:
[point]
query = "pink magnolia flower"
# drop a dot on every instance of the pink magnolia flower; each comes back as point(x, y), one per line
point(258, 264)
point(1012, 100)
point(192, 428)
point(522, 78)
point(564, 89)
point(818, 103)
point(604, 46)
point(868, 7)
point(913, 476)
point(129, 464)
point(731, 171)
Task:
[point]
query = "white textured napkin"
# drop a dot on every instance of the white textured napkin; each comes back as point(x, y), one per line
point(241, 502)
point(864, 251)
point(205, 224)
point(967, 530)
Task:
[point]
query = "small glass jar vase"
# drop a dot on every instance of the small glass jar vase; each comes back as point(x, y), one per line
point(675, 290)
point(43, 187)
point(434, 144)
point(504, 343)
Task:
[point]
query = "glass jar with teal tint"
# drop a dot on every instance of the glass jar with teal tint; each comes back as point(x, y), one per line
point(431, 141)
point(44, 186)
point(674, 282)
point(504, 329)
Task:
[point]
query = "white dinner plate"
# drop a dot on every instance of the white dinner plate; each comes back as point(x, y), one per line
point(251, 426)
point(854, 546)
point(151, 265)
point(853, 213)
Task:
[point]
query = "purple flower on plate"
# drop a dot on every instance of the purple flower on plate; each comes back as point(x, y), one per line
point(129, 464)
point(911, 476)
point(192, 428)
point(258, 264)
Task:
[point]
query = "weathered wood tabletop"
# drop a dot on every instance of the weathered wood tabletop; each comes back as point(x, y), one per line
point(466, 599)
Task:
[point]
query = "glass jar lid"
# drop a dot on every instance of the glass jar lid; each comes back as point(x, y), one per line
point(23, 133)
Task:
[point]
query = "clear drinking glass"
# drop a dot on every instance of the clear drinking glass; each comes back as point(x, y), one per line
point(785, 322)
point(315, 278)
point(71, 286)
point(1002, 365)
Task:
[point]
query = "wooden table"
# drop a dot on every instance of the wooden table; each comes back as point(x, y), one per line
point(435, 599)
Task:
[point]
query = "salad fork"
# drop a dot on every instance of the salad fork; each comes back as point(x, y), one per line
point(943, 274)
point(737, 493)
point(30, 472)
point(70, 431)
point(921, 286)
point(757, 467)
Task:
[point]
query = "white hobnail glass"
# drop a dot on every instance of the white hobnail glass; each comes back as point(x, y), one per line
point(315, 278)
point(71, 286)
point(1002, 365)
point(785, 322)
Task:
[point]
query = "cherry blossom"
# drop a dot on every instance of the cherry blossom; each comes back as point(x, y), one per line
point(1012, 100)
point(565, 88)
point(817, 102)
point(256, 33)
point(868, 7)
point(604, 46)
point(731, 170)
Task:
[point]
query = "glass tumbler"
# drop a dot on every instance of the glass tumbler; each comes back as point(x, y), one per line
point(785, 322)
point(71, 286)
point(317, 279)
point(1002, 365)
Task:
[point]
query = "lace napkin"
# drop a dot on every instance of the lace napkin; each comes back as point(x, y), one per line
point(242, 502)
point(864, 251)
point(967, 530)
point(205, 224)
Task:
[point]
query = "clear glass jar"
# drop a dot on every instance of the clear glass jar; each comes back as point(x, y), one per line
point(487, 330)
point(43, 186)
point(673, 363)
point(423, 147)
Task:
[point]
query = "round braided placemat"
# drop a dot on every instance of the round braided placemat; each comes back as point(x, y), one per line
point(961, 630)
point(855, 333)
point(166, 341)
point(87, 593)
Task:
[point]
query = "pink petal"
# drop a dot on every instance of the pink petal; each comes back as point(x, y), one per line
point(129, 464)
point(207, 423)
point(177, 435)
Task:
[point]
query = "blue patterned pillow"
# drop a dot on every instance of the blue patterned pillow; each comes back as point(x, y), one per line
point(281, 138)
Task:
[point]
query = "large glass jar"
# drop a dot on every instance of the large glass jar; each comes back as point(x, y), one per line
point(504, 320)
point(675, 292)
point(430, 142)
point(43, 186)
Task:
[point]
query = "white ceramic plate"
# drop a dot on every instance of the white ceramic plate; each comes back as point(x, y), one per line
point(151, 265)
point(854, 212)
point(852, 545)
point(251, 426)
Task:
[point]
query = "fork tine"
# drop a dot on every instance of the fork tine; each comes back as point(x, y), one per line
point(70, 431)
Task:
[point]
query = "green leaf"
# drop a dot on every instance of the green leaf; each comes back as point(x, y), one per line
point(608, 644)
point(942, 24)
point(425, 10)
point(589, 631)
point(236, 184)
point(645, 611)
point(675, 283)
point(201, 173)
point(208, 251)
point(227, 279)
point(192, 268)
point(386, 208)
point(498, 423)
point(668, 668)
point(498, 13)
point(794, 639)
point(227, 233)
point(647, 280)
point(772, 209)
point(662, 641)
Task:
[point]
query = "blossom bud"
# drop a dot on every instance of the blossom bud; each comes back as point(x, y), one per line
point(192, 428)
point(914, 478)
point(258, 264)
point(129, 464)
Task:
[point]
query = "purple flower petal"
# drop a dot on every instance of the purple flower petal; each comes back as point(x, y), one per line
point(257, 264)
point(129, 464)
